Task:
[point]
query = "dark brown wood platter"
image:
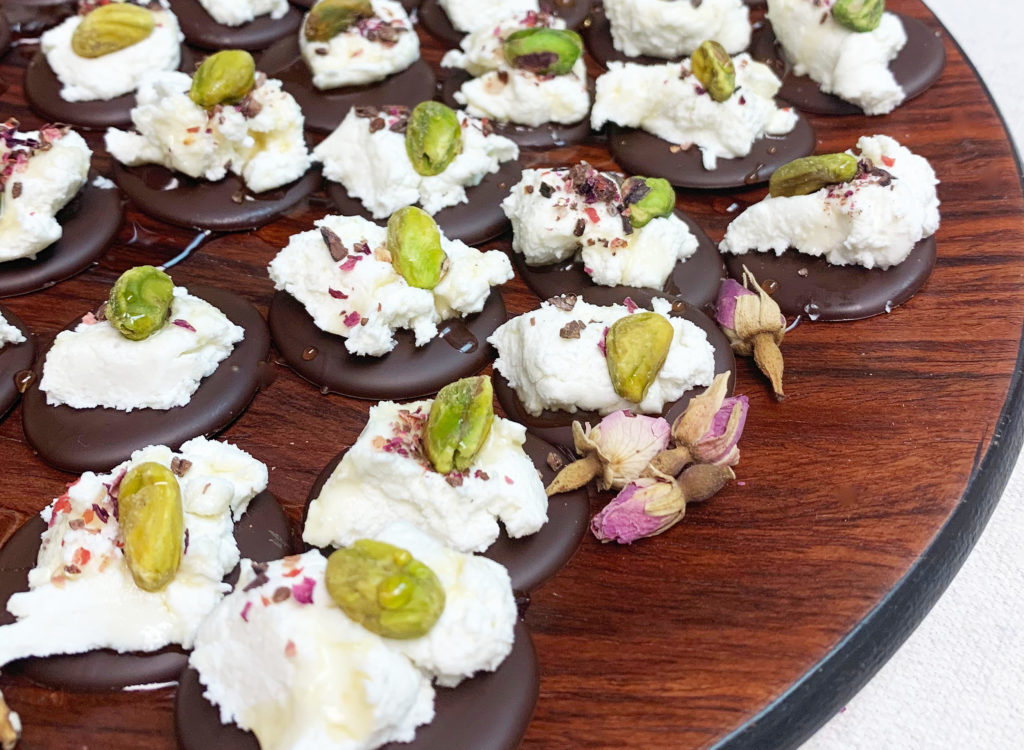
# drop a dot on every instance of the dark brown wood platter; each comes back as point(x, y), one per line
point(758, 616)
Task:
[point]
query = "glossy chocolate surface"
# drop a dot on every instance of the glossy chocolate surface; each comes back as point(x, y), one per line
point(14, 358)
point(435, 20)
point(201, 30)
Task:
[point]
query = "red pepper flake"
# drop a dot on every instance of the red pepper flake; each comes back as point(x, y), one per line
point(245, 611)
point(183, 324)
point(337, 294)
point(350, 262)
point(265, 601)
point(591, 213)
point(352, 319)
point(509, 480)
point(631, 306)
point(292, 573)
point(81, 557)
point(63, 505)
point(289, 649)
point(303, 592)
point(888, 161)
point(88, 515)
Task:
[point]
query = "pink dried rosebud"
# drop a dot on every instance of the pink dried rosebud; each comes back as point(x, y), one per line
point(643, 508)
point(754, 325)
point(712, 424)
point(615, 452)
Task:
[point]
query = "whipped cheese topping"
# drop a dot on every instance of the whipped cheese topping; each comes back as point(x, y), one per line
point(873, 221)
point(94, 365)
point(385, 477)
point(81, 593)
point(366, 154)
point(509, 94)
point(368, 51)
point(237, 12)
point(40, 172)
point(675, 28)
point(360, 296)
point(109, 76)
point(852, 65)
point(669, 102)
point(554, 358)
point(260, 139)
point(470, 15)
point(9, 334)
point(563, 212)
point(281, 659)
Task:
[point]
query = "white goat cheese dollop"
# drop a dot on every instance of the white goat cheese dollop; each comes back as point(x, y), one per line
point(670, 29)
point(873, 221)
point(109, 76)
point(9, 334)
point(237, 12)
point(852, 65)
point(94, 365)
point(266, 147)
point(669, 102)
point(385, 477)
point(470, 15)
point(551, 371)
point(374, 167)
point(81, 593)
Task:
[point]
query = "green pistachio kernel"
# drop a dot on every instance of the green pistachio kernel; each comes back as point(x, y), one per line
point(152, 523)
point(459, 423)
point(859, 15)
point(225, 77)
point(385, 589)
point(635, 349)
point(140, 302)
point(414, 243)
point(328, 18)
point(811, 173)
point(543, 51)
point(647, 198)
point(713, 67)
point(110, 28)
point(433, 137)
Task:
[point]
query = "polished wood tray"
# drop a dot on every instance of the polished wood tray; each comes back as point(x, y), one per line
point(757, 617)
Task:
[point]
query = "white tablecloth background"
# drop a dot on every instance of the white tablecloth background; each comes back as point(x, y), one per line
point(958, 681)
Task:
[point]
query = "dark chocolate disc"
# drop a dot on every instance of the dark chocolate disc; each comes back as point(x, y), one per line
point(407, 371)
point(488, 712)
point(473, 222)
point(79, 440)
point(435, 20)
point(263, 533)
point(5, 34)
point(31, 18)
point(639, 152)
point(556, 426)
point(409, 5)
point(917, 66)
point(225, 205)
point(325, 109)
point(696, 279)
point(42, 89)
point(201, 30)
point(813, 287)
point(547, 135)
point(598, 37)
point(90, 222)
point(530, 560)
point(14, 359)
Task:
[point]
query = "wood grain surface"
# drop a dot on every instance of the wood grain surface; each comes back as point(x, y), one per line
point(677, 641)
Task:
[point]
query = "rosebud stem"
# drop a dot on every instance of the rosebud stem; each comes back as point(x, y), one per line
point(670, 462)
point(575, 475)
point(768, 358)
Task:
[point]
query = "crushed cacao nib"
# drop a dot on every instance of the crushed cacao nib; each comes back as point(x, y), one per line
point(638, 190)
point(481, 475)
point(249, 107)
point(455, 480)
point(281, 593)
point(375, 29)
point(546, 190)
point(580, 228)
point(868, 171)
point(260, 569)
point(627, 227)
point(72, 570)
point(565, 302)
point(377, 123)
point(16, 190)
point(591, 184)
point(572, 329)
point(101, 312)
point(367, 112)
point(322, 51)
point(184, 550)
point(180, 466)
point(334, 244)
point(503, 76)
point(528, 189)
point(555, 462)
point(76, 524)
point(696, 3)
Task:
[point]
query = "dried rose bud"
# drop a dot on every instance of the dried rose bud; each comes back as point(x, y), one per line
point(643, 508)
point(616, 451)
point(754, 325)
point(712, 424)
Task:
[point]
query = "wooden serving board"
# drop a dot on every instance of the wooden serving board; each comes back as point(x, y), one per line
point(753, 620)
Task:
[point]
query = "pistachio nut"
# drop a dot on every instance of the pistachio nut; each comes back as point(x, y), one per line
point(543, 51)
point(433, 137)
point(713, 67)
point(414, 244)
point(152, 523)
point(859, 15)
point(328, 18)
point(811, 173)
point(225, 77)
point(636, 347)
point(647, 198)
point(385, 589)
point(459, 423)
point(140, 302)
point(110, 28)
